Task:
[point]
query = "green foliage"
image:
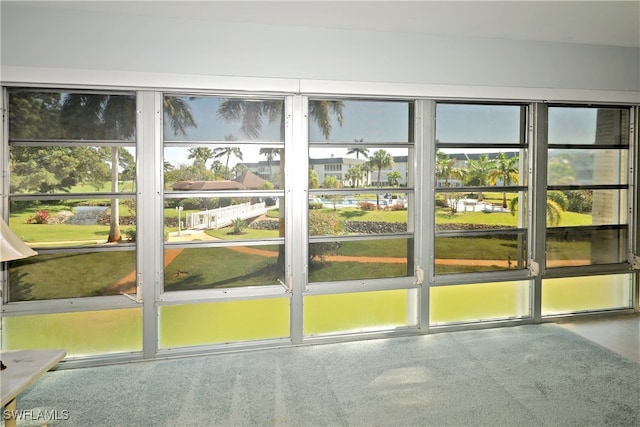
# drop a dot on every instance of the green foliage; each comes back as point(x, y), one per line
point(580, 200)
point(314, 180)
point(560, 198)
point(315, 205)
point(394, 178)
point(238, 225)
point(130, 233)
point(323, 225)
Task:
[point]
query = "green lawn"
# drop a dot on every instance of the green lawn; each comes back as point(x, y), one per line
point(206, 268)
point(71, 275)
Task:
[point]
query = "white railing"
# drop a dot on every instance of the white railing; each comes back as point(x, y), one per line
point(222, 217)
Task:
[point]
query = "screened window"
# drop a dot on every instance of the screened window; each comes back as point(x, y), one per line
point(481, 188)
point(587, 186)
point(224, 192)
point(72, 183)
point(359, 219)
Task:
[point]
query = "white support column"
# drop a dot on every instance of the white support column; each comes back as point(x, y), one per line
point(297, 201)
point(538, 131)
point(425, 140)
point(150, 227)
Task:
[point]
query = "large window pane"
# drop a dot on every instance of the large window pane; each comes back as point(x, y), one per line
point(587, 178)
point(347, 121)
point(587, 167)
point(333, 260)
point(581, 125)
point(42, 115)
point(225, 267)
point(484, 124)
point(72, 275)
point(481, 178)
point(78, 146)
point(207, 118)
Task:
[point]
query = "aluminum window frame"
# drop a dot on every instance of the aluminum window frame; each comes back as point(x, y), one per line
point(68, 304)
point(414, 140)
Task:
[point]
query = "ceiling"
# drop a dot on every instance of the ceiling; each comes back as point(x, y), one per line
point(612, 23)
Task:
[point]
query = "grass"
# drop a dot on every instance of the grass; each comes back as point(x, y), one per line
point(92, 274)
point(207, 268)
point(70, 275)
point(247, 233)
point(476, 248)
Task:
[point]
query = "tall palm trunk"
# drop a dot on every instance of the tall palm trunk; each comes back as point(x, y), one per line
point(114, 229)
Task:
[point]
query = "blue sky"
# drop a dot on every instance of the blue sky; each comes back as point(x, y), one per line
point(387, 122)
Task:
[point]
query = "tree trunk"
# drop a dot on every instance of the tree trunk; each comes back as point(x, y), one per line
point(114, 225)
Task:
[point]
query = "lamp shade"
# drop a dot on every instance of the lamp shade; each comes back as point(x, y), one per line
point(11, 247)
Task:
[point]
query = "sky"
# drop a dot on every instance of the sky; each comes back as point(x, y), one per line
point(388, 122)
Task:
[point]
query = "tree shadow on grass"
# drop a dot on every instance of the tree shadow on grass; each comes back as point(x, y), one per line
point(352, 214)
point(269, 274)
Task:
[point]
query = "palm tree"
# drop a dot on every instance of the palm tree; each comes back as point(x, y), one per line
point(554, 209)
point(252, 114)
point(380, 159)
point(479, 172)
point(270, 154)
point(355, 174)
point(359, 150)
point(506, 169)
point(200, 155)
point(227, 152)
point(394, 178)
point(113, 117)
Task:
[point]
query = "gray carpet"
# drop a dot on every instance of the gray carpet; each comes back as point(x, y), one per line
point(539, 375)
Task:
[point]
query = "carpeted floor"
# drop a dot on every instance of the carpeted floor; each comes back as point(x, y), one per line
point(538, 375)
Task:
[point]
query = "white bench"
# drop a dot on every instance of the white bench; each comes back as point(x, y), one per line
point(24, 367)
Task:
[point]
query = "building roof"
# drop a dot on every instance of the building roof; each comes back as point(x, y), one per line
point(250, 180)
point(246, 181)
point(207, 185)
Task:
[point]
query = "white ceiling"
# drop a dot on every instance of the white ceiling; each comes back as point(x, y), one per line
point(614, 23)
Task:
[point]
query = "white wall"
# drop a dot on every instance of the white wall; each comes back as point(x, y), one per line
point(45, 44)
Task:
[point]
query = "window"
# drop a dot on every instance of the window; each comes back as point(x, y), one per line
point(72, 183)
point(481, 188)
point(587, 186)
point(359, 220)
point(224, 192)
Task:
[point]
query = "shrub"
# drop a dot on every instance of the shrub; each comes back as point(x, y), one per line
point(323, 225)
point(315, 205)
point(131, 234)
point(397, 207)
point(40, 217)
point(238, 225)
point(580, 201)
point(367, 206)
